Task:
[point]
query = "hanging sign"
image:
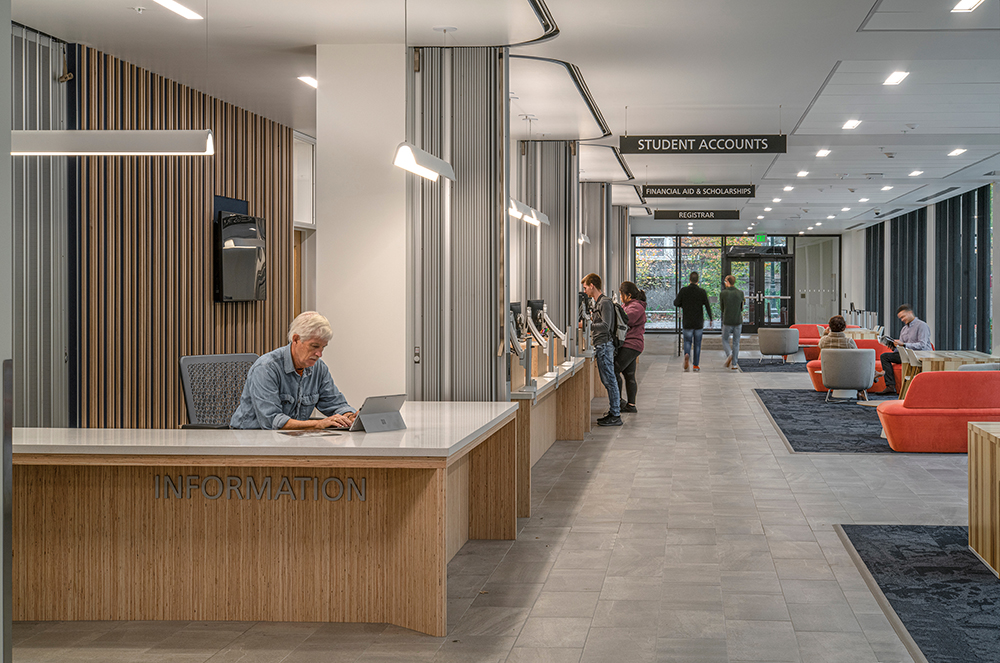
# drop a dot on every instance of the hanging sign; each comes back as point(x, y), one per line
point(761, 238)
point(699, 191)
point(761, 144)
point(693, 215)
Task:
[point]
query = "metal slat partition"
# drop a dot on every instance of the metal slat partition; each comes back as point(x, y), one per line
point(595, 212)
point(548, 180)
point(41, 286)
point(457, 111)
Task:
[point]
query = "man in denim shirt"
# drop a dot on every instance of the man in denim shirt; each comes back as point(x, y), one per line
point(284, 386)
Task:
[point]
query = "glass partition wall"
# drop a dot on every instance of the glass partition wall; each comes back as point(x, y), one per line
point(662, 265)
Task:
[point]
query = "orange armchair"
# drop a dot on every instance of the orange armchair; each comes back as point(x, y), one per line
point(935, 414)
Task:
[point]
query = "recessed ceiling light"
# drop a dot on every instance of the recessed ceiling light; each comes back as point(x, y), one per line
point(967, 5)
point(823, 153)
point(802, 232)
point(819, 223)
point(690, 232)
point(767, 209)
point(831, 217)
point(803, 173)
point(851, 124)
point(178, 8)
point(862, 200)
point(776, 200)
point(809, 228)
point(957, 151)
point(896, 77)
point(916, 172)
point(789, 188)
point(309, 80)
point(845, 209)
point(886, 188)
point(750, 227)
point(760, 217)
point(744, 232)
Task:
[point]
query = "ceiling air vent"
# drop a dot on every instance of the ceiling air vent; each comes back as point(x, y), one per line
point(935, 195)
point(873, 176)
point(891, 212)
point(856, 225)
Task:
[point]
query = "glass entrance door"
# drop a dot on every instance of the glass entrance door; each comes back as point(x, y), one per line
point(766, 284)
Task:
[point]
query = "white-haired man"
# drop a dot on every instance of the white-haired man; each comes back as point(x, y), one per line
point(284, 386)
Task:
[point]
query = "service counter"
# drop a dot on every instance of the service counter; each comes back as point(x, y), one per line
point(259, 525)
point(558, 408)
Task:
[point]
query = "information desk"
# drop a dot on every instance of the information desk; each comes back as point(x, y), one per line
point(258, 525)
point(558, 408)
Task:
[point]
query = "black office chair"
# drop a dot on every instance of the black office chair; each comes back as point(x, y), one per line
point(213, 385)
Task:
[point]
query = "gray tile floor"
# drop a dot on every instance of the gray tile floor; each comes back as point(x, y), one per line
point(690, 534)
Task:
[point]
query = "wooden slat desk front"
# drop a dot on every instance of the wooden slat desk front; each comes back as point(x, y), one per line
point(256, 525)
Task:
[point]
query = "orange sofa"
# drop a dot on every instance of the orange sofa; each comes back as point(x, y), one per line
point(935, 415)
point(814, 366)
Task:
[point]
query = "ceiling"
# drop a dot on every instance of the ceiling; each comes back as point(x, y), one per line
point(797, 67)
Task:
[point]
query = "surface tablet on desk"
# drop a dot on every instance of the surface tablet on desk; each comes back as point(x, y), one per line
point(380, 414)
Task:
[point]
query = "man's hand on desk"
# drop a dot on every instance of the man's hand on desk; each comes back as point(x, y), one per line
point(337, 421)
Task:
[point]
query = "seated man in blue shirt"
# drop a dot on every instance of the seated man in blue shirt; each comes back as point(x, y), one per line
point(284, 386)
point(916, 335)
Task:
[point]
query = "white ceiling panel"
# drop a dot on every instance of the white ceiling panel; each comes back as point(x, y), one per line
point(546, 103)
point(926, 15)
point(599, 164)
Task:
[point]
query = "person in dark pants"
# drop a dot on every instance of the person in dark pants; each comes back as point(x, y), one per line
point(603, 323)
point(691, 299)
point(915, 335)
point(634, 303)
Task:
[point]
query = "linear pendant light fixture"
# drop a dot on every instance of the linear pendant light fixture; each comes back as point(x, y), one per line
point(526, 213)
point(412, 158)
point(134, 143)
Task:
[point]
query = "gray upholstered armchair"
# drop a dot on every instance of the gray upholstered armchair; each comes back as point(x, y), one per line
point(848, 369)
point(775, 341)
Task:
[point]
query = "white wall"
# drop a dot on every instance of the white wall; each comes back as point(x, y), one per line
point(817, 274)
point(361, 215)
point(853, 279)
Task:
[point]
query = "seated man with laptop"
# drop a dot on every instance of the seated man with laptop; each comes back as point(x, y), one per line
point(284, 385)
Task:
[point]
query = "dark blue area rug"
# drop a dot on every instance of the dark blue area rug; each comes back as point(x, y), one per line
point(812, 425)
point(947, 599)
point(771, 366)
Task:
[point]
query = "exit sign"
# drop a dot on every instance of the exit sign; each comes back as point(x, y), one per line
point(761, 238)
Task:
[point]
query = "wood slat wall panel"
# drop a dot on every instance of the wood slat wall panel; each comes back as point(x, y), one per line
point(146, 262)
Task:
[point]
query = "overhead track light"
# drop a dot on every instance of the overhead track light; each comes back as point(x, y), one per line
point(136, 143)
point(417, 161)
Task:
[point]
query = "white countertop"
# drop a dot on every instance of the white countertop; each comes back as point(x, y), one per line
point(546, 382)
point(434, 429)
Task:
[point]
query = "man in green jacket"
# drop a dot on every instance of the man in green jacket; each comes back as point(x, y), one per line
point(731, 301)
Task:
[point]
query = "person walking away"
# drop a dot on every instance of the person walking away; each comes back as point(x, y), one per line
point(691, 299)
point(603, 323)
point(634, 303)
point(915, 335)
point(731, 302)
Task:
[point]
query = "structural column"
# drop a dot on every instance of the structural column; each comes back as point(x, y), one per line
point(361, 215)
